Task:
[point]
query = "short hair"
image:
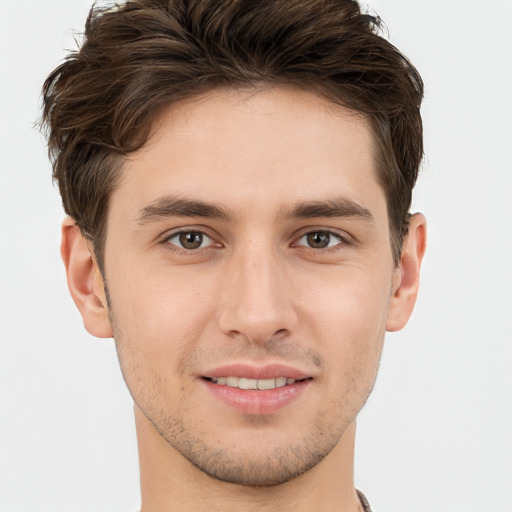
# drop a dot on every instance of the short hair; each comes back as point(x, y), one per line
point(141, 55)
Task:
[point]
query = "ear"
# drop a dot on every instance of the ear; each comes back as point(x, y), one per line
point(407, 276)
point(85, 281)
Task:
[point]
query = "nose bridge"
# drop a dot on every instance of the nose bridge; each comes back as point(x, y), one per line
point(256, 301)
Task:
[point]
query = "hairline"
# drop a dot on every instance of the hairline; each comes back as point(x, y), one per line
point(204, 94)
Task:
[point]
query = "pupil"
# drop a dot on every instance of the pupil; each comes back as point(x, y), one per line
point(319, 239)
point(191, 240)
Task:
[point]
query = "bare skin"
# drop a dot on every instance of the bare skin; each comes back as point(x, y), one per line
point(248, 241)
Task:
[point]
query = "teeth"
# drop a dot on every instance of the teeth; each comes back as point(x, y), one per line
point(232, 381)
point(280, 382)
point(244, 383)
point(266, 384)
point(261, 384)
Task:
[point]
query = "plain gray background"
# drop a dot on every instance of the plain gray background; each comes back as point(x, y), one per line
point(436, 434)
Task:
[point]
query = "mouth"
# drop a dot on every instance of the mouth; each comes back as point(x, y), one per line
point(259, 384)
point(257, 390)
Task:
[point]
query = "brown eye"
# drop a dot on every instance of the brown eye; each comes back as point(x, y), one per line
point(190, 240)
point(319, 240)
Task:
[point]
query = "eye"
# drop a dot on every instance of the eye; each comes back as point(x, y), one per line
point(319, 240)
point(190, 240)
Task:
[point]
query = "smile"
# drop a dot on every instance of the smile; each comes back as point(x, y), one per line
point(257, 396)
point(260, 384)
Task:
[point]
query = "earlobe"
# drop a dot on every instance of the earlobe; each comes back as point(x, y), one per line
point(84, 281)
point(407, 276)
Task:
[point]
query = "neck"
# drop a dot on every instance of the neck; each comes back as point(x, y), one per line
point(169, 482)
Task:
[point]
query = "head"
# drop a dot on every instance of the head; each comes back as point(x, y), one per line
point(139, 57)
point(241, 174)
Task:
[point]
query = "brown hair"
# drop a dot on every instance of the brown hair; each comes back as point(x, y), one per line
point(143, 54)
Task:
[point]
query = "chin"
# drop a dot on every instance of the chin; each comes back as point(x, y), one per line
point(274, 469)
point(260, 460)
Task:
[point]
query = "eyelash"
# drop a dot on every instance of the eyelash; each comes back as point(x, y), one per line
point(167, 240)
point(342, 240)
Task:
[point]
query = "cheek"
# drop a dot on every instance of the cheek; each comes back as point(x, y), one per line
point(348, 318)
point(156, 328)
point(159, 320)
point(348, 300)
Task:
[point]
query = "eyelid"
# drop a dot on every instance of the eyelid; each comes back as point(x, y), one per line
point(172, 233)
point(185, 229)
point(343, 236)
point(323, 229)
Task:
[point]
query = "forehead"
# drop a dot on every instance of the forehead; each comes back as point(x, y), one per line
point(270, 146)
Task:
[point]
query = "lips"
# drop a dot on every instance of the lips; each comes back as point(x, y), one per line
point(245, 383)
point(269, 371)
point(256, 390)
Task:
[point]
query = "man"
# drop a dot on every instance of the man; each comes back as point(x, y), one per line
point(238, 179)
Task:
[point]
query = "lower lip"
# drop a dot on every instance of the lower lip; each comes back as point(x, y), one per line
point(256, 402)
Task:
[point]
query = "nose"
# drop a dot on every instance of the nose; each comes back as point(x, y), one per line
point(256, 296)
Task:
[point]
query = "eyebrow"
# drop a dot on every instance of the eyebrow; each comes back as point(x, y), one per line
point(331, 208)
point(170, 206)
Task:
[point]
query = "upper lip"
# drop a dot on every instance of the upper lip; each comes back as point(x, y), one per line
point(251, 371)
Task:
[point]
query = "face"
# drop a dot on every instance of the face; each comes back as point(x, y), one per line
point(249, 272)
